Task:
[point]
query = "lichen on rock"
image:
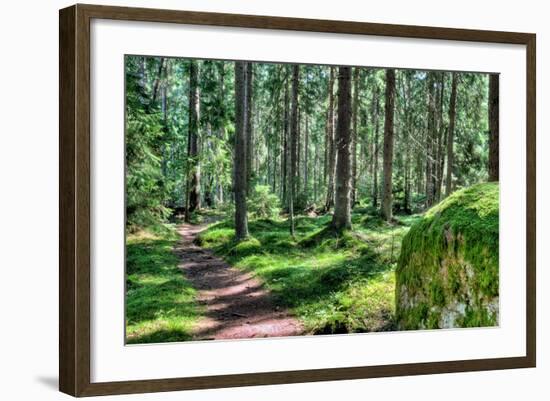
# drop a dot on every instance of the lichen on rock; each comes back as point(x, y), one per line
point(448, 275)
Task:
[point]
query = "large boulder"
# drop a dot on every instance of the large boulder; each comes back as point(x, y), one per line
point(447, 275)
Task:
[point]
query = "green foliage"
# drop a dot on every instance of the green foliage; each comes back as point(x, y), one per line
point(157, 117)
point(263, 204)
point(334, 284)
point(145, 187)
point(160, 303)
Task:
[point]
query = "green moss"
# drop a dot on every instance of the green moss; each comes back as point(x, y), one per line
point(437, 292)
point(433, 321)
point(333, 283)
point(413, 318)
point(454, 245)
point(247, 246)
point(160, 303)
point(477, 317)
point(454, 282)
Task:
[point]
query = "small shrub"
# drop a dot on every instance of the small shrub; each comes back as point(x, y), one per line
point(227, 209)
point(263, 204)
point(247, 247)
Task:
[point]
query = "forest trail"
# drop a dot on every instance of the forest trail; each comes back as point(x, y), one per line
point(236, 303)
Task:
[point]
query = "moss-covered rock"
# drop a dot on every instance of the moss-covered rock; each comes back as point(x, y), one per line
point(447, 275)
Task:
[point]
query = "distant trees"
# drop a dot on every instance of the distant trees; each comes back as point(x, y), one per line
point(320, 138)
point(388, 145)
point(342, 208)
point(239, 160)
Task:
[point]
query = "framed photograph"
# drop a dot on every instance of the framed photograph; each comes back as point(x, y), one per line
point(250, 200)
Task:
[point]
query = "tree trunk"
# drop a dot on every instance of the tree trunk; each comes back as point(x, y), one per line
point(430, 142)
point(440, 159)
point(293, 145)
point(194, 175)
point(285, 144)
point(493, 126)
point(355, 136)
point(450, 137)
point(407, 136)
point(164, 107)
point(297, 168)
point(315, 171)
point(306, 157)
point(158, 80)
point(221, 132)
point(388, 145)
point(249, 126)
point(332, 148)
point(239, 174)
point(376, 149)
point(342, 206)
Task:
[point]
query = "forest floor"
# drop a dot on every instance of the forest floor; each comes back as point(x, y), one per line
point(236, 304)
point(189, 282)
point(331, 284)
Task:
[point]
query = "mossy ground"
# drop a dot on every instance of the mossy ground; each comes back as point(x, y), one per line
point(334, 284)
point(451, 256)
point(160, 303)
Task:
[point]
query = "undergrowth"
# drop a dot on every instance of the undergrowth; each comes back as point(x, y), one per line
point(160, 303)
point(334, 284)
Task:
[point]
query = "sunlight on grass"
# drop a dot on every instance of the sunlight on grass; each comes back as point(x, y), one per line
point(333, 284)
point(160, 303)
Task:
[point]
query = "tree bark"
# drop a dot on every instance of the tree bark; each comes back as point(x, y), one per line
point(407, 136)
point(306, 157)
point(293, 145)
point(450, 137)
point(376, 149)
point(430, 142)
point(326, 150)
point(440, 159)
point(315, 171)
point(297, 168)
point(158, 79)
point(341, 219)
point(249, 126)
point(194, 175)
point(332, 148)
point(355, 136)
point(221, 132)
point(388, 145)
point(239, 174)
point(286, 136)
point(493, 127)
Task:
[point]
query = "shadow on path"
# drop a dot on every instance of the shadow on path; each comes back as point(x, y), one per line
point(237, 304)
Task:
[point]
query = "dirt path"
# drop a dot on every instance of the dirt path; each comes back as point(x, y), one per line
point(237, 304)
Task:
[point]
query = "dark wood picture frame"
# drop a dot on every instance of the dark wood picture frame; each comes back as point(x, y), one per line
point(74, 199)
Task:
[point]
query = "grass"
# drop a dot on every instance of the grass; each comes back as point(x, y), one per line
point(333, 284)
point(160, 303)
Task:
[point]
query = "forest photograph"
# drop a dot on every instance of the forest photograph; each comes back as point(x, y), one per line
point(267, 199)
